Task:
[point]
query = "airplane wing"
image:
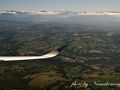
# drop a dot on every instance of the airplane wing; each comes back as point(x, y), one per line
point(19, 58)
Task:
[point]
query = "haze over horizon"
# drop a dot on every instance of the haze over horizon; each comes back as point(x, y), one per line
point(61, 5)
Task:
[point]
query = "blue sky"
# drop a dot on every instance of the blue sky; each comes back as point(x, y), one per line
point(61, 5)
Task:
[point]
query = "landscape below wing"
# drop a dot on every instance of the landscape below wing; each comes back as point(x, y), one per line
point(16, 58)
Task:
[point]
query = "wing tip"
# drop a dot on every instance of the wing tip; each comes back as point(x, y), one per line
point(61, 48)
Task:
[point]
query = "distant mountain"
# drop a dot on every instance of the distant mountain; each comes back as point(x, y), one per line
point(13, 12)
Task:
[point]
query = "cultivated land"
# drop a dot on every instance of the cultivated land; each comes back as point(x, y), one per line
point(92, 53)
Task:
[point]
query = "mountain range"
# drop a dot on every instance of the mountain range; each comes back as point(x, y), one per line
point(14, 12)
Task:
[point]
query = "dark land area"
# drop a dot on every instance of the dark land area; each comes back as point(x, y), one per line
point(92, 54)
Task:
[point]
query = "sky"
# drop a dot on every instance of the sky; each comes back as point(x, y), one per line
point(61, 5)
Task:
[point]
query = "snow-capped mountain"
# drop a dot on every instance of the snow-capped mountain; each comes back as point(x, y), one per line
point(13, 12)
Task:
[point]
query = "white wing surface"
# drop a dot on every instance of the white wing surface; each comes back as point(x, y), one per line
point(17, 58)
